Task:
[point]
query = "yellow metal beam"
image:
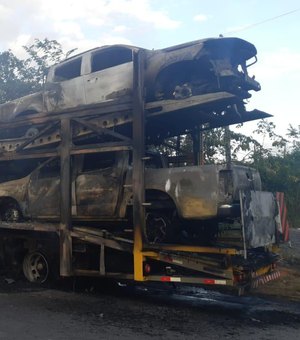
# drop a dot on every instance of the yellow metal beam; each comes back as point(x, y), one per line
point(138, 256)
point(195, 249)
point(151, 254)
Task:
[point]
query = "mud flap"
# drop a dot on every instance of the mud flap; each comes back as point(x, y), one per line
point(258, 213)
point(263, 279)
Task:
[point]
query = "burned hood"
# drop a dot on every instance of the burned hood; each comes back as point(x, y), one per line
point(237, 49)
point(200, 67)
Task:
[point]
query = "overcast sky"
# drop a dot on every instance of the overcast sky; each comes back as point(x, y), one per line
point(161, 23)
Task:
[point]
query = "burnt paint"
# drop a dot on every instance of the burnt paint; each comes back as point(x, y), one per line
point(217, 58)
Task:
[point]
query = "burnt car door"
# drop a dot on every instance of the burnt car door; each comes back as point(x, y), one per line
point(44, 190)
point(99, 184)
point(110, 74)
point(64, 87)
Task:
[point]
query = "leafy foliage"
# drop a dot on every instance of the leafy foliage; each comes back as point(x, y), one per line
point(16, 77)
point(279, 165)
point(21, 77)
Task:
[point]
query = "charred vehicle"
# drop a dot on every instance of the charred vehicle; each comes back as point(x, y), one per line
point(192, 199)
point(106, 73)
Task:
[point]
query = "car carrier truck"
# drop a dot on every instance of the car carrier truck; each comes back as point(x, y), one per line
point(84, 190)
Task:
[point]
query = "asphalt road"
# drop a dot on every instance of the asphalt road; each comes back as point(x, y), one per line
point(113, 312)
point(93, 309)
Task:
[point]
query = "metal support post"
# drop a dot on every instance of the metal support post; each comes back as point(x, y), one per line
point(198, 147)
point(65, 195)
point(227, 140)
point(138, 183)
point(243, 224)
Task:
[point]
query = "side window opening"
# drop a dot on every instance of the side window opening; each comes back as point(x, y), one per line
point(98, 161)
point(68, 70)
point(154, 160)
point(16, 169)
point(110, 57)
point(50, 169)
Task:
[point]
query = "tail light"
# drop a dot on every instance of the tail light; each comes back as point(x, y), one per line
point(147, 268)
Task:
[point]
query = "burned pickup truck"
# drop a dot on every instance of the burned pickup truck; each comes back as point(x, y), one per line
point(191, 199)
point(106, 73)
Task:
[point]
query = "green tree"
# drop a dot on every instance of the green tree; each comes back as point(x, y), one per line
point(42, 54)
point(16, 79)
point(279, 166)
point(294, 134)
point(22, 77)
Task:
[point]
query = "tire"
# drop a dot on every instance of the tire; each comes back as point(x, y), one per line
point(36, 267)
point(158, 227)
point(31, 132)
point(11, 213)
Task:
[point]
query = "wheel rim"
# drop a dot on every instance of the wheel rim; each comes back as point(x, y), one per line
point(31, 132)
point(35, 267)
point(156, 228)
point(11, 215)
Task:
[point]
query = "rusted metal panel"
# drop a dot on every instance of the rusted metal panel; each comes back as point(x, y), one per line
point(64, 95)
point(109, 83)
point(30, 226)
point(44, 196)
point(97, 192)
point(258, 209)
point(193, 189)
point(164, 119)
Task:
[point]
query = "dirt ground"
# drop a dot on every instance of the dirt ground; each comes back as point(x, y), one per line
point(288, 286)
point(95, 309)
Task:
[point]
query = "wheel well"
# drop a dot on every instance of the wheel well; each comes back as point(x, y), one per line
point(27, 112)
point(8, 202)
point(182, 72)
point(159, 200)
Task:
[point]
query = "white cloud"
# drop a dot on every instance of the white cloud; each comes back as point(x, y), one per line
point(200, 18)
point(87, 44)
point(235, 29)
point(277, 64)
point(120, 28)
point(18, 43)
point(79, 23)
point(102, 12)
point(4, 11)
point(7, 31)
point(279, 74)
point(69, 28)
point(108, 39)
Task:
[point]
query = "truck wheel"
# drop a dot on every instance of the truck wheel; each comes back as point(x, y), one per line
point(157, 227)
point(10, 214)
point(36, 267)
point(31, 132)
